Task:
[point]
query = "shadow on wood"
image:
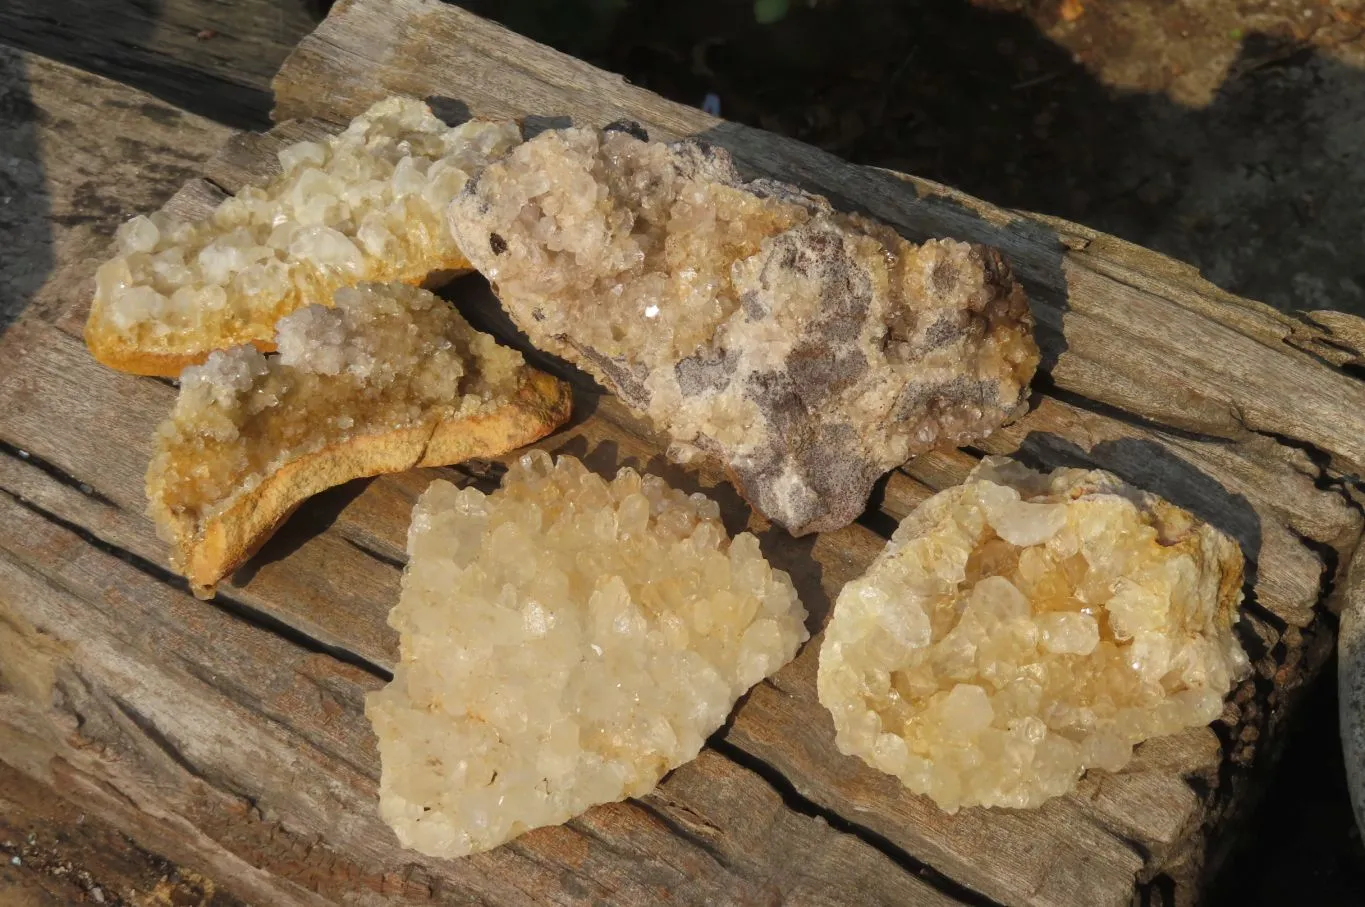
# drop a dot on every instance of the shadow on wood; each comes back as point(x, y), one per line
point(25, 208)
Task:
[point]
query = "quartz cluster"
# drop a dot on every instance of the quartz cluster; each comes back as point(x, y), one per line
point(565, 642)
point(390, 377)
point(807, 350)
point(1022, 627)
point(367, 204)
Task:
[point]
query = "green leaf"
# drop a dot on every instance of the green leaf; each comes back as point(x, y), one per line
point(769, 11)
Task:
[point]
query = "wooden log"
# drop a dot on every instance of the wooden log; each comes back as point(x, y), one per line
point(75, 443)
point(1153, 804)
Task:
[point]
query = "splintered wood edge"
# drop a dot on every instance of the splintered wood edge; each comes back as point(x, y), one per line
point(225, 541)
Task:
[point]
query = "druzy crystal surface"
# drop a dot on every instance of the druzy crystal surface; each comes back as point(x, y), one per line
point(807, 350)
point(367, 380)
point(366, 204)
point(565, 642)
point(1023, 627)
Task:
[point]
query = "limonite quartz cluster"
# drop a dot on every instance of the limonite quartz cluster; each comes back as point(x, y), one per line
point(1022, 627)
point(807, 350)
point(565, 642)
point(367, 204)
point(389, 378)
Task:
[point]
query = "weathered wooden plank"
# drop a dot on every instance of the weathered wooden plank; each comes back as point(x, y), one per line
point(1106, 333)
point(1154, 807)
point(212, 58)
point(82, 153)
point(53, 853)
point(201, 720)
point(1088, 848)
point(1150, 806)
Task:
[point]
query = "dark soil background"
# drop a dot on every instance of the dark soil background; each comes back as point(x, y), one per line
point(1226, 133)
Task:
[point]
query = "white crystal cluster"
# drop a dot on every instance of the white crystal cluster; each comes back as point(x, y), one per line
point(367, 204)
point(385, 357)
point(1021, 628)
point(565, 642)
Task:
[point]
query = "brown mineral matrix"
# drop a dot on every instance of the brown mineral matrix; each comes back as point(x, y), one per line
point(807, 350)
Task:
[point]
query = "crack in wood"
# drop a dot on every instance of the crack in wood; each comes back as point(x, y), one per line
point(794, 800)
point(1044, 385)
point(225, 603)
point(154, 734)
point(369, 551)
point(55, 473)
point(681, 829)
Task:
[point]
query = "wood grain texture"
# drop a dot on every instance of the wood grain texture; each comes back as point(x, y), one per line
point(201, 730)
point(215, 59)
point(238, 751)
point(81, 154)
point(53, 853)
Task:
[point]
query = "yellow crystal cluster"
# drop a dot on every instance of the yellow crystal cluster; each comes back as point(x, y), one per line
point(1023, 627)
point(565, 642)
point(366, 204)
point(362, 387)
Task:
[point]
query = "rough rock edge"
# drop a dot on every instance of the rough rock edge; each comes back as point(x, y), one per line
point(113, 350)
point(206, 551)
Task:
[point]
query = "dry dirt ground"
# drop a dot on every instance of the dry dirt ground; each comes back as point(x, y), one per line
point(1228, 133)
